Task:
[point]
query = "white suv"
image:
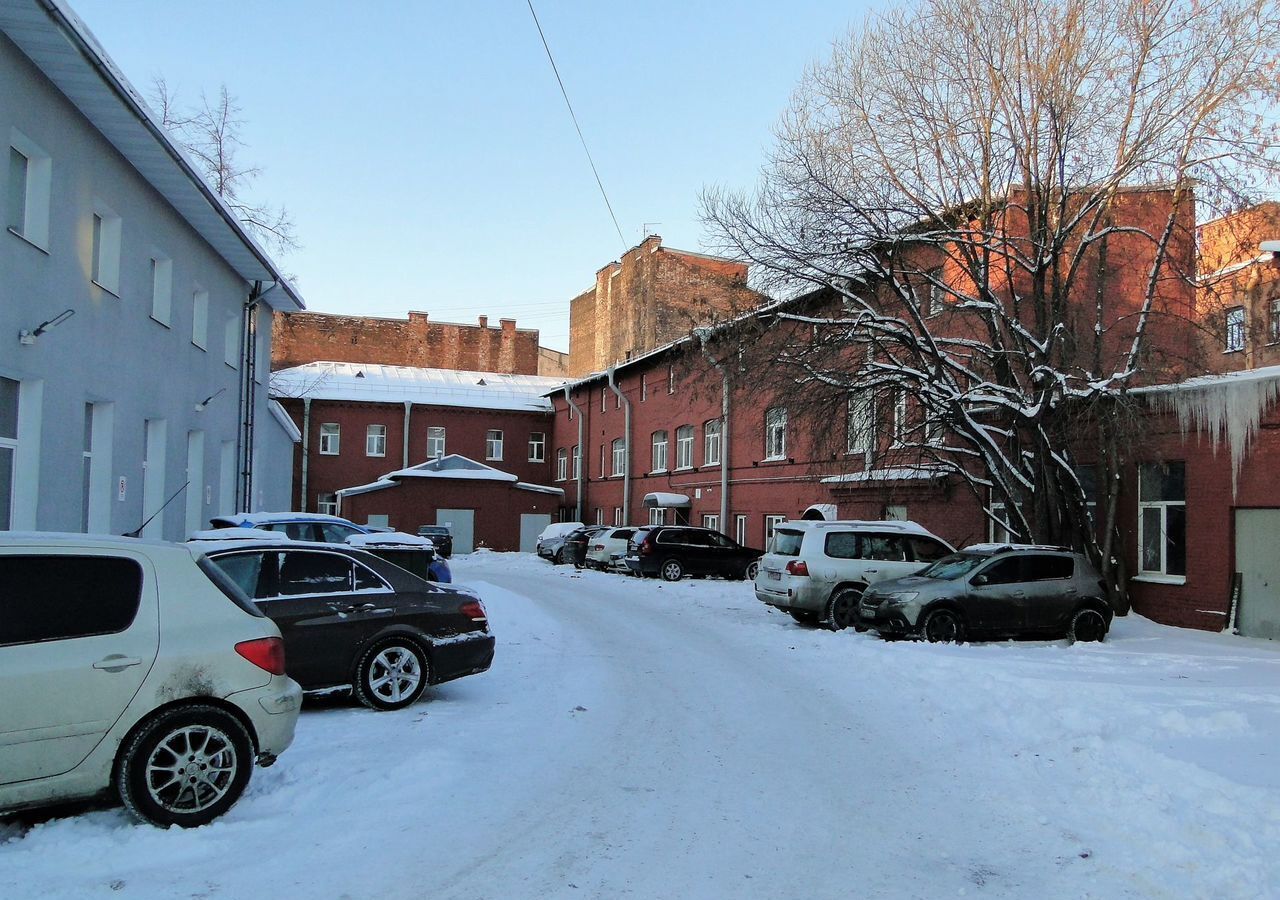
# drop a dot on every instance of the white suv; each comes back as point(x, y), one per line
point(817, 571)
point(135, 665)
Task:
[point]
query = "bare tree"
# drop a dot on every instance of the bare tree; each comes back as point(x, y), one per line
point(998, 202)
point(210, 134)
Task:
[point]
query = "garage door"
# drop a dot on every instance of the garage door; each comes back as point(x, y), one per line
point(1258, 562)
point(531, 525)
point(462, 522)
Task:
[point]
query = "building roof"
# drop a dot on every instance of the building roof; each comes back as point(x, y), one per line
point(407, 384)
point(62, 47)
point(451, 467)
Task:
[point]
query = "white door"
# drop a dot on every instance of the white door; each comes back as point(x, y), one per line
point(1258, 563)
point(531, 525)
point(62, 686)
point(462, 523)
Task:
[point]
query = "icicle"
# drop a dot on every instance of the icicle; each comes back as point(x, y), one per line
point(1228, 407)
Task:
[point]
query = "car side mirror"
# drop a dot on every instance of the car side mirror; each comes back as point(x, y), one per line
point(979, 580)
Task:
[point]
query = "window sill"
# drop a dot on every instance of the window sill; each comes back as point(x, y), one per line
point(532, 460)
point(326, 453)
point(376, 455)
point(657, 471)
point(104, 287)
point(1156, 578)
point(26, 240)
point(683, 469)
point(710, 465)
point(775, 459)
point(493, 459)
point(1236, 350)
point(162, 323)
point(200, 347)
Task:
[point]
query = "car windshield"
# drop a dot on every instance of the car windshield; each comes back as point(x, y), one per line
point(955, 565)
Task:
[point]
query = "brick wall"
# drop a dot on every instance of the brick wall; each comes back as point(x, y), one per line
point(298, 338)
point(1233, 277)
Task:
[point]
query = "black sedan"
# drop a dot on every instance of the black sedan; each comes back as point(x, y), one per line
point(441, 536)
point(350, 618)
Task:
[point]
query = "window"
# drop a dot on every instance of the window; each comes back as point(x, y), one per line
point(671, 379)
point(644, 389)
point(771, 523)
point(659, 451)
point(231, 341)
point(937, 293)
point(603, 393)
point(617, 518)
point(684, 447)
point(562, 464)
point(327, 504)
point(899, 417)
point(315, 573)
point(30, 181)
point(712, 522)
point(200, 318)
point(161, 289)
point(888, 547)
point(926, 550)
point(861, 422)
point(86, 489)
point(711, 442)
point(105, 265)
point(740, 529)
point(330, 437)
point(619, 456)
point(537, 446)
point(604, 466)
point(1162, 519)
point(1047, 568)
point(657, 515)
point(1000, 533)
point(599, 516)
point(375, 440)
point(775, 433)
point(57, 597)
point(493, 444)
point(840, 545)
point(577, 461)
point(1273, 326)
point(894, 513)
point(1235, 329)
point(435, 442)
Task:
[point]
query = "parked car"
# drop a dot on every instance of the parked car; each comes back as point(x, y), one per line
point(551, 540)
point(321, 529)
point(408, 551)
point(575, 545)
point(607, 548)
point(817, 571)
point(351, 619)
point(674, 551)
point(994, 590)
point(441, 536)
point(134, 665)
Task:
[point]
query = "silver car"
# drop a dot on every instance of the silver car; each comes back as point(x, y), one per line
point(994, 590)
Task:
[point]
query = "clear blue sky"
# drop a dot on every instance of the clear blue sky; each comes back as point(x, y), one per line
point(425, 153)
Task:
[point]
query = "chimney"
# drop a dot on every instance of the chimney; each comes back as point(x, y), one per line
point(507, 346)
point(484, 321)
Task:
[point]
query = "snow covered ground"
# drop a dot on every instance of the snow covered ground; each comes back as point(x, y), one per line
point(640, 739)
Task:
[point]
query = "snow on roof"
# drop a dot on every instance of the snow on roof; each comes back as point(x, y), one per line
point(407, 384)
point(826, 510)
point(900, 474)
point(279, 414)
point(539, 488)
point(665, 498)
point(455, 467)
point(1201, 382)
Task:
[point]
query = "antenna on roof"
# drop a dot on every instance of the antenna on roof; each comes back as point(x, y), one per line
point(137, 532)
point(644, 227)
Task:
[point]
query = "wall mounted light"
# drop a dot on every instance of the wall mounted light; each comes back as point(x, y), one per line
point(204, 404)
point(27, 338)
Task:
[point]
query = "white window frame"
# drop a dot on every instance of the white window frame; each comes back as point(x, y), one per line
point(562, 464)
point(604, 465)
point(771, 522)
point(37, 190)
point(659, 451)
point(599, 515)
point(330, 439)
point(617, 517)
point(577, 461)
point(860, 427)
point(162, 290)
point(899, 417)
point(11, 444)
point(657, 515)
point(1235, 327)
point(619, 447)
point(327, 504)
point(105, 255)
point(1273, 324)
point(436, 437)
point(712, 521)
point(200, 317)
point(537, 446)
point(375, 440)
point(671, 379)
point(712, 429)
point(775, 433)
point(644, 389)
point(936, 292)
point(740, 529)
point(493, 441)
point(684, 447)
point(1163, 506)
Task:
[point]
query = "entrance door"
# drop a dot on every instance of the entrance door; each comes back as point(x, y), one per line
point(462, 523)
point(1259, 567)
point(531, 525)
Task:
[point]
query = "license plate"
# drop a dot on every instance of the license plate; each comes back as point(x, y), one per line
point(775, 576)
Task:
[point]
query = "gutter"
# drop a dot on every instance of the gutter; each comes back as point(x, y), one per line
point(626, 445)
point(581, 468)
point(408, 408)
point(724, 439)
point(306, 454)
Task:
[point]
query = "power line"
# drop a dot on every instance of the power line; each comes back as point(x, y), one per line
point(574, 116)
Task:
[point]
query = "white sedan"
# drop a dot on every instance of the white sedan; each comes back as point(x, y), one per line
point(606, 549)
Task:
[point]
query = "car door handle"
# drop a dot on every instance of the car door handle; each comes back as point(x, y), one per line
point(116, 663)
point(1019, 593)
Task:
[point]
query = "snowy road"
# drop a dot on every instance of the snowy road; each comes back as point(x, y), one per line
point(639, 739)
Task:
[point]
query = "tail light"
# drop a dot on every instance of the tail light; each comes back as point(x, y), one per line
point(798, 567)
point(645, 547)
point(473, 610)
point(265, 653)
point(597, 546)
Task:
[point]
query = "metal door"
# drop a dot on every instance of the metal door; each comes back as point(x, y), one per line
point(531, 525)
point(1259, 566)
point(462, 523)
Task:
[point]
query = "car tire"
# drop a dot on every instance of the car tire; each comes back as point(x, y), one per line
point(752, 570)
point(804, 616)
point(391, 674)
point(943, 626)
point(672, 570)
point(841, 611)
point(1088, 624)
point(579, 565)
point(558, 559)
point(160, 787)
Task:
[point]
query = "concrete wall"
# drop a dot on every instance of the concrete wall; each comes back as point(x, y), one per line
point(111, 352)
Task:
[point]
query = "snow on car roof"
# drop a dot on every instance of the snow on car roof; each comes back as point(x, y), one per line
point(268, 518)
point(879, 525)
point(996, 548)
point(237, 534)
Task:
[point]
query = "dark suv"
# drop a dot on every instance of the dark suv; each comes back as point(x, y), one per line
point(441, 536)
point(994, 590)
point(674, 551)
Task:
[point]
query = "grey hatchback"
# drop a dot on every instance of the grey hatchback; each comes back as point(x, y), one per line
point(994, 590)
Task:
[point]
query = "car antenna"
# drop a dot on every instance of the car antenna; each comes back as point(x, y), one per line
point(138, 531)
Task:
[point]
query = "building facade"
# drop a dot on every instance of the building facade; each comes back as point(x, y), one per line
point(138, 311)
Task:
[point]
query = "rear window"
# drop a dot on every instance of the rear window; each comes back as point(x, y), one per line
point(53, 598)
point(786, 542)
point(1047, 568)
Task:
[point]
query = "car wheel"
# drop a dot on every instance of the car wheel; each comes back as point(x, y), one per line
point(943, 626)
point(752, 570)
point(842, 609)
point(391, 674)
point(185, 767)
point(1088, 625)
point(804, 616)
point(579, 564)
point(672, 570)
point(558, 559)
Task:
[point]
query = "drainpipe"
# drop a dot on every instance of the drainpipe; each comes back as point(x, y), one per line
point(626, 446)
point(306, 453)
point(408, 408)
point(724, 440)
point(582, 470)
